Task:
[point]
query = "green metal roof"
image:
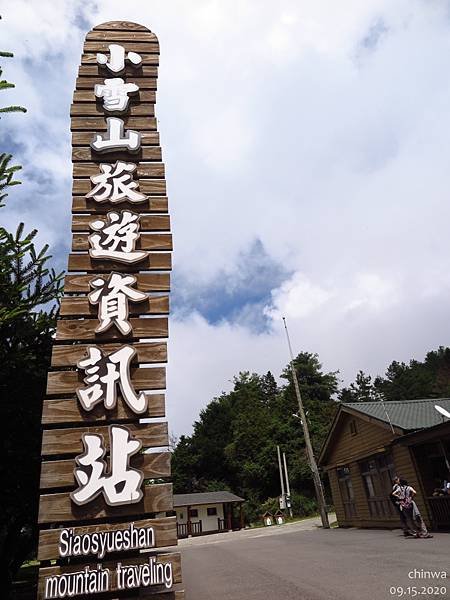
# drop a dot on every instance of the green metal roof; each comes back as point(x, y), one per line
point(406, 414)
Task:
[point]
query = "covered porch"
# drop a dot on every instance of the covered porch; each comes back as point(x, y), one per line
point(430, 450)
point(208, 512)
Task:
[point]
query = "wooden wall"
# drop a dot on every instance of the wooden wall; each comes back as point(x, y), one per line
point(349, 450)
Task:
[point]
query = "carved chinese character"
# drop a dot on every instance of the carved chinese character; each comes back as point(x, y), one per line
point(115, 184)
point(116, 238)
point(122, 484)
point(116, 62)
point(115, 94)
point(112, 297)
point(115, 139)
point(104, 374)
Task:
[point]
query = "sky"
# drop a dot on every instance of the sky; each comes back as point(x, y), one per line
point(307, 155)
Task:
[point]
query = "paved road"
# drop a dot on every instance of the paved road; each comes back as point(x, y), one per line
point(303, 562)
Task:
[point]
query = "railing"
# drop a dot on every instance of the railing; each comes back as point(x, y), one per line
point(186, 529)
point(440, 510)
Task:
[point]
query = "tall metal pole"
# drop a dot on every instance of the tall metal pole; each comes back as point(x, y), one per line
point(283, 495)
point(288, 489)
point(309, 449)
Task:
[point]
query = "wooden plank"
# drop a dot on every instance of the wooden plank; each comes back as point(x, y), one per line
point(144, 83)
point(121, 26)
point(67, 382)
point(68, 355)
point(56, 442)
point(150, 170)
point(174, 558)
point(164, 531)
point(128, 35)
point(146, 241)
point(87, 154)
point(102, 46)
point(58, 508)
point(156, 187)
point(154, 204)
point(154, 261)
point(59, 473)
point(60, 411)
point(146, 282)
point(84, 138)
point(81, 307)
point(90, 58)
point(96, 110)
point(147, 223)
point(128, 74)
point(97, 124)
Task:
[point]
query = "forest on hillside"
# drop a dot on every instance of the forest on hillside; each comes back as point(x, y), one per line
point(233, 444)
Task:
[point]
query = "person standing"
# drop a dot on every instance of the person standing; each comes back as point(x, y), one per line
point(411, 514)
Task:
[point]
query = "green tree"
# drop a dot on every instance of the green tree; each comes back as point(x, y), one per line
point(28, 292)
point(362, 390)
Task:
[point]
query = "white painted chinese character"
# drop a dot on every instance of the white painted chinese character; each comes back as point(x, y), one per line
point(112, 297)
point(122, 485)
point(104, 374)
point(115, 94)
point(114, 138)
point(115, 184)
point(116, 238)
point(116, 62)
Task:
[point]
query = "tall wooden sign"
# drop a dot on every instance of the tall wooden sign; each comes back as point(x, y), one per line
point(104, 490)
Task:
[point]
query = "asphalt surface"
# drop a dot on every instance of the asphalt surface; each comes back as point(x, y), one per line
point(304, 562)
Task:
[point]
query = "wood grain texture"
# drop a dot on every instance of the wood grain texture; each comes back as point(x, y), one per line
point(61, 411)
point(81, 307)
point(129, 74)
point(165, 532)
point(67, 382)
point(102, 46)
point(99, 124)
point(147, 223)
point(144, 170)
point(83, 109)
point(90, 58)
point(56, 442)
point(58, 508)
point(146, 186)
point(154, 261)
point(84, 138)
point(59, 473)
point(121, 26)
point(174, 558)
point(87, 154)
point(144, 83)
point(154, 204)
point(146, 282)
point(146, 241)
point(68, 355)
point(127, 35)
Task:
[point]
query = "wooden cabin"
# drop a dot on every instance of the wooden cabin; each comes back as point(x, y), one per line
point(370, 442)
point(208, 512)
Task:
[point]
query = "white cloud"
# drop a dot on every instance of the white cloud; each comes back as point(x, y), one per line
point(319, 128)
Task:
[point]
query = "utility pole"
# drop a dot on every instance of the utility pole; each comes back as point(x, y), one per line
point(309, 449)
point(283, 495)
point(288, 489)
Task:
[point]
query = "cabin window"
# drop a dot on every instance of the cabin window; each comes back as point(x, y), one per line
point(346, 489)
point(378, 473)
point(211, 511)
point(193, 513)
point(353, 428)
